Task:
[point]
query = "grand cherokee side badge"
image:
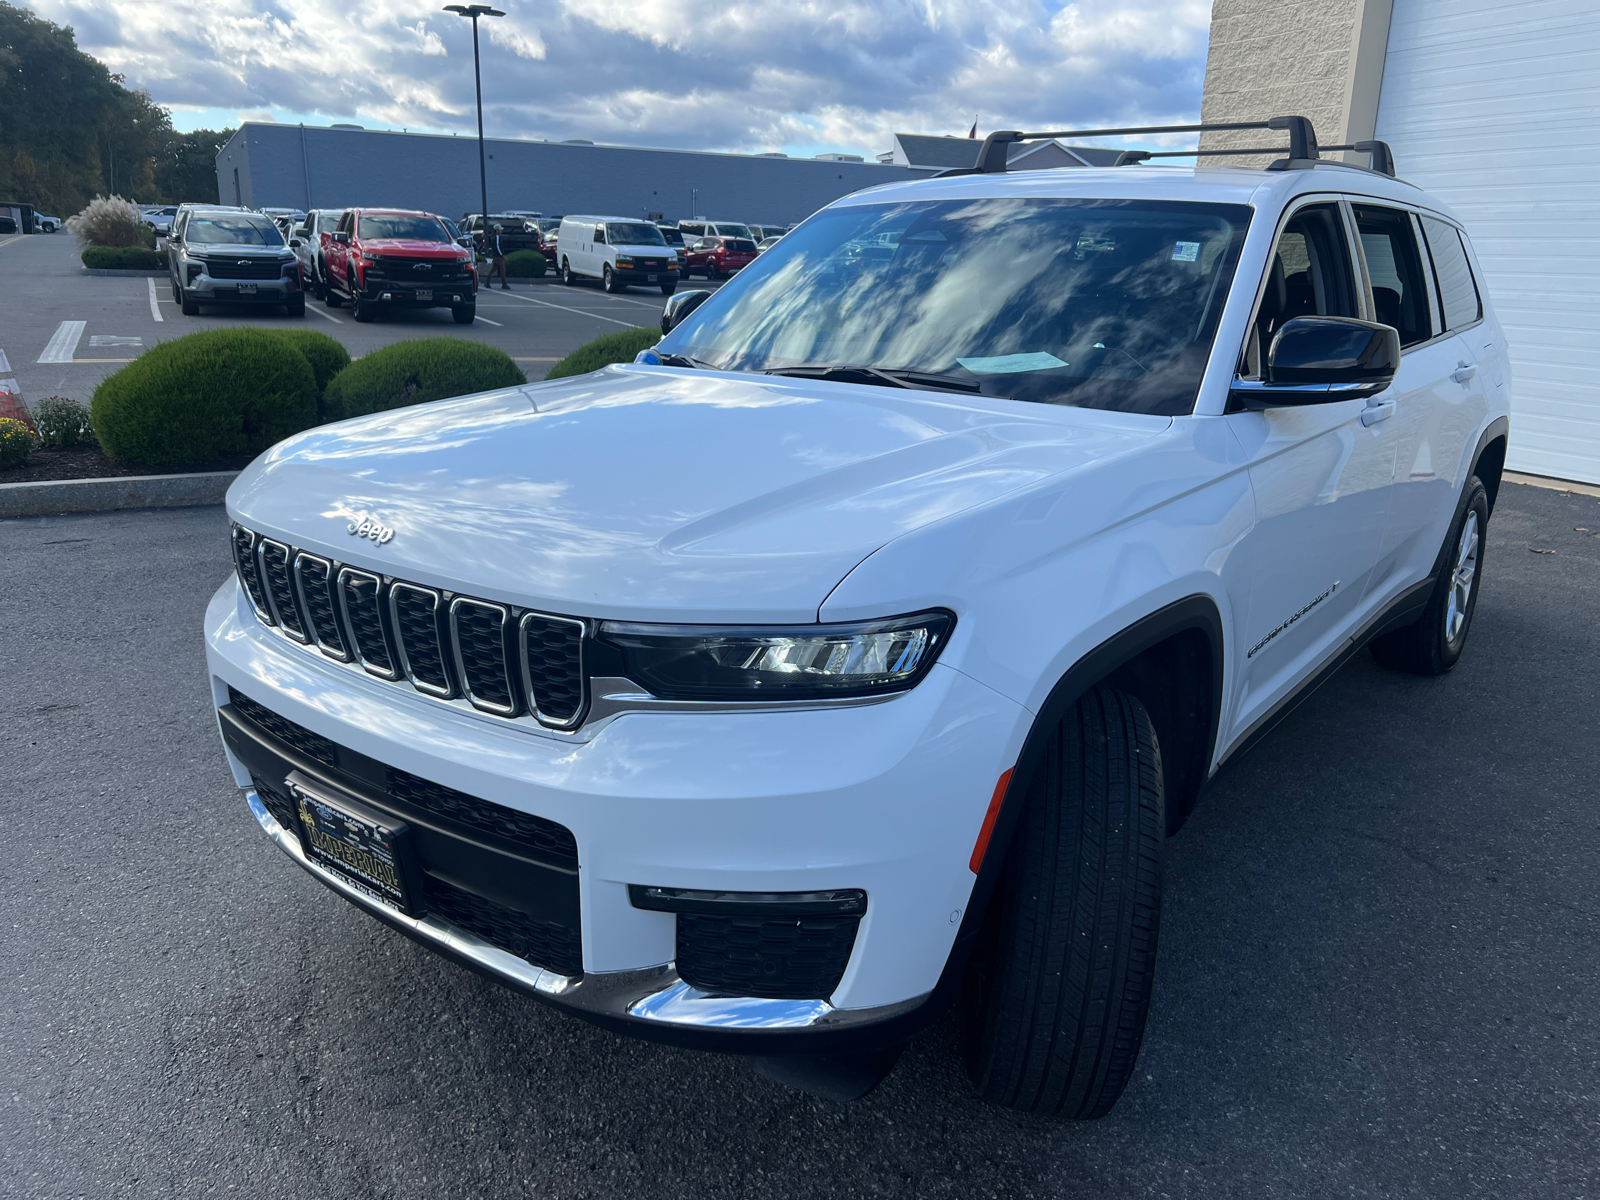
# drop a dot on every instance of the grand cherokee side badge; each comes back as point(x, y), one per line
point(368, 528)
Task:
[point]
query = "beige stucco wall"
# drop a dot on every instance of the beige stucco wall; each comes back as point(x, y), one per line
point(1321, 59)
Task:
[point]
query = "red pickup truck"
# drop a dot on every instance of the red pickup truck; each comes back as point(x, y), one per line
point(389, 256)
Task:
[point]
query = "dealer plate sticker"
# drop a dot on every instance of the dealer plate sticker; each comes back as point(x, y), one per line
point(424, 294)
point(353, 846)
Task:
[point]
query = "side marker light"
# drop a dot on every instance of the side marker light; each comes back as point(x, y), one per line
point(989, 819)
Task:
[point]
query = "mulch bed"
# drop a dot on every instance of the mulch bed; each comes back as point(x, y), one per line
point(88, 461)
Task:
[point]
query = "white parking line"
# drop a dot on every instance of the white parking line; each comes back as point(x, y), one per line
point(65, 342)
point(486, 321)
point(580, 311)
point(155, 310)
point(325, 315)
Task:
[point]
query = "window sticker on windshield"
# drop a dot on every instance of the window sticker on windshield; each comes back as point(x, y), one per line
point(1007, 364)
point(1185, 251)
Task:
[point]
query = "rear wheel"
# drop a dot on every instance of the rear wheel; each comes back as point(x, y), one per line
point(464, 314)
point(1056, 997)
point(330, 297)
point(1433, 643)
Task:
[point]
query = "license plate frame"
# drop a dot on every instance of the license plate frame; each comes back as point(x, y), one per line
point(649, 278)
point(424, 293)
point(360, 846)
point(247, 289)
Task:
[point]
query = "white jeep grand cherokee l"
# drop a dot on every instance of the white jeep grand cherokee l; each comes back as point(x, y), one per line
point(854, 652)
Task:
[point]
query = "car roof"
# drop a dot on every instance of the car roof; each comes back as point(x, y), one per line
point(392, 212)
point(1213, 184)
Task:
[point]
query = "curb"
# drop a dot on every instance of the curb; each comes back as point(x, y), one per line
point(56, 496)
point(152, 273)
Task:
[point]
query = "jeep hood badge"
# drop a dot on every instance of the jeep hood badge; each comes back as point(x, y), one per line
point(368, 528)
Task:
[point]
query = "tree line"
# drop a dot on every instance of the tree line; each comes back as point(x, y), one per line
point(70, 129)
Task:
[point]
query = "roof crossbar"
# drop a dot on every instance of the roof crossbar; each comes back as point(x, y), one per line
point(1382, 158)
point(1302, 141)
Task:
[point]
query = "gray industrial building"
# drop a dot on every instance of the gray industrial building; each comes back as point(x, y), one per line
point(296, 166)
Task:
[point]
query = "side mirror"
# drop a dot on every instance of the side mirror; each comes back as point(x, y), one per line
point(342, 237)
point(1322, 360)
point(680, 305)
point(295, 243)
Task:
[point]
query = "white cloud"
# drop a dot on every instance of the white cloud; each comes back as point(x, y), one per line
point(704, 74)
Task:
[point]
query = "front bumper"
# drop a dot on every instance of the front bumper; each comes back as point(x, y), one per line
point(244, 291)
point(445, 294)
point(886, 798)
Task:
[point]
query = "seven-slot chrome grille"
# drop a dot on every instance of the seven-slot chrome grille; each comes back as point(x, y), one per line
point(500, 659)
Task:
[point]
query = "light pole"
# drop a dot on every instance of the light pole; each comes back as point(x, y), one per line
point(475, 11)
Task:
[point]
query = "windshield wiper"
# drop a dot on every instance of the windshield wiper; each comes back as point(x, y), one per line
point(683, 360)
point(881, 376)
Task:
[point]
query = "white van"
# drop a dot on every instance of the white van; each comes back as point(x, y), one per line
point(695, 230)
point(618, 251)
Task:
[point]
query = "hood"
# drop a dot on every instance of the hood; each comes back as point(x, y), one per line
point(409, 247)
point(647, 493)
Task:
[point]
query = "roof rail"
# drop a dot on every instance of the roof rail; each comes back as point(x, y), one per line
point(1303, 151)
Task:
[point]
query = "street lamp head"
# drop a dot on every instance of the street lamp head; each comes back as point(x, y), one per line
point(473, 10)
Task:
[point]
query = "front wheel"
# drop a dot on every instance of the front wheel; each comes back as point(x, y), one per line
point(668, 288)
point(296, 307)
point(361, 308)
point(1433, 643)
point(608, 280)
point(189, 305)
point(567, 276)
point(1055, 1000)
point(464, 314)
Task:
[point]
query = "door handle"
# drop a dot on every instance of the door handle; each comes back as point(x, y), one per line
point(1463, 372)
point(1374, 413)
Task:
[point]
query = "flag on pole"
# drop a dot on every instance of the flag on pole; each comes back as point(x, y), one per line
point(973, 132)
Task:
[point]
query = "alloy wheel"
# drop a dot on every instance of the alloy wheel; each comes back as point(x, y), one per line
point(1463, 575)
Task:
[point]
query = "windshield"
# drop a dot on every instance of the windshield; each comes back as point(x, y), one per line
point(233, 231)
point(1095, 303)
point(729, 229)
point(408, 228)
point(672, 237)
point(622, 233)
point(328, 222)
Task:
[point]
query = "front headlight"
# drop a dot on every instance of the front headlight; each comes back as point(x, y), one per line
point(801, 662)
point(624, 260)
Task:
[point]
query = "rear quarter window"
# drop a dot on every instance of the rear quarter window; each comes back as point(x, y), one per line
point(1458, 291)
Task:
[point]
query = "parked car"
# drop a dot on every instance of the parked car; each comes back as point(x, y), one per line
point(674, 238)
point(516, 232)
point(46, 224)
point(8, 225)
point(160, 219)
point(696, 229)
point(456, 235)
point(309, 240)
point(764, 231)
point(223, 256)
point(766, 243)
point(719, 257)
point(852, 655)
point(397, 257)
point(618, 251)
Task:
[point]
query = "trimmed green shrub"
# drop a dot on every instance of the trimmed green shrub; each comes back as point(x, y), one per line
point(139, 258)
point(62, 421)
point(620, 347)
point(525, 264)
point(16, 442)
point(416, 372)
point(326, 356)
point(205, 396)
point(102, 258)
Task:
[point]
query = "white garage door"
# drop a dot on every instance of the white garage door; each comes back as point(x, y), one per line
point(1495, 108)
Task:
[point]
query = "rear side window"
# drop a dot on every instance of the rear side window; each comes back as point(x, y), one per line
point(1399, 292)
point(1458, 291)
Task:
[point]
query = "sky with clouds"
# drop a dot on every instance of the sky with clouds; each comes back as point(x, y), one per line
point(791, 75)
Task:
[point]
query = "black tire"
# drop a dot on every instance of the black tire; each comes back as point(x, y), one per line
point(464, 314)
point(1433, 643)
point(296, 307)
point(567, 277)
point(330, 297)
point(177, 292)
point(608, 279)
point(668, 288)
point(362, 309)
point(189, 305)
point(1056, 997)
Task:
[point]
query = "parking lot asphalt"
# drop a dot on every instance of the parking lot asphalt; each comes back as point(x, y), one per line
point(537, 322)
point(1379, 969)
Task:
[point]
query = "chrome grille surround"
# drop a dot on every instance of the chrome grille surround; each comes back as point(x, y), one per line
point(314, 577)
point(274, 561)
point(541, 642)
point(244, 542)
point(480, 641)
point(416, 613)
point(361, 603)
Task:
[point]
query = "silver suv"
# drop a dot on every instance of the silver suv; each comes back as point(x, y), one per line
point(222, 256)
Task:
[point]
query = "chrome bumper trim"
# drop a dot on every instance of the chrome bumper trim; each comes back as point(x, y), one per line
point(654, 994)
